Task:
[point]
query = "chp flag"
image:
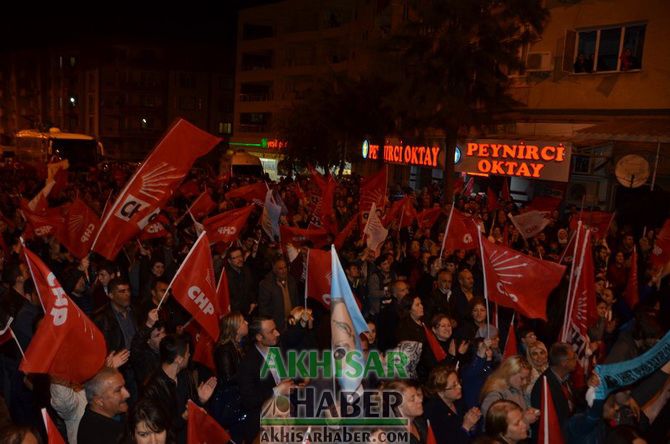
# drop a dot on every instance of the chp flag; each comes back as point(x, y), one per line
point(517, 281)
point(227, 226)
point(81, 225)
point(319, 274)
point(152, 186)
point(580, 311)
point(531, 223)
point(67, 345)
point(193, 286)
point(460, 233)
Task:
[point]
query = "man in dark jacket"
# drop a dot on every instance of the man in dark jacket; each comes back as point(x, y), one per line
point(278, 294)
point(254, 390)
point(107, 395)
point(172, 387)
point(145, 356)
point(241, 283)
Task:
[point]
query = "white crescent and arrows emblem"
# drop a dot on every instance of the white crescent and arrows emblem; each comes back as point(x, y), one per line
point(507, 268)
point(156, 181)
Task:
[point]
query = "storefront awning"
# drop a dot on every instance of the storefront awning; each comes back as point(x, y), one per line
point(651, 130)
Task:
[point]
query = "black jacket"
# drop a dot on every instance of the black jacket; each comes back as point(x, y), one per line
point(271, 299)
point(254, 390)
point(243, 289)
point(162, 390)
point(144, 360)
point(110, 328)
point(227, 360)
point(97, 429)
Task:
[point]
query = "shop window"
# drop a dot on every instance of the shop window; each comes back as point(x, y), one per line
point(582, 165)
point(607, 49)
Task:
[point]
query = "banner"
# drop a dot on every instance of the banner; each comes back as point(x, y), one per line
point(80, 227)
point(152, 186)
point(623, 374)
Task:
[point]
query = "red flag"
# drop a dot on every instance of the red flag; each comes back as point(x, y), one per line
point(544, 203)
point(511, 346)
point(660, 254)
point(156, 228)
point(202, 428)
point(373, 191)
point(427, 218)
point(434, 345)
point(296, 236)
point(598, 221)
point(550, 428)
point(223, 293)
point(193, 286)
point(317, 284)
point(189, 189)
point(43, 223)
point(580, 311)
point(402, 210)
point(505, 193)
point(227, 226)
point(343, 235)
point(325, 210)
point(151, 186)
point(459, 184)
point(461, 232)
point(517, 281)
point(251, 193)
point(531, 223)
point(632, 295)
point(80, 227)
point(469, 187)
point(430, 436)
point(53, 435)
point(491, 200)
point(67, 345)
point(203, 350)
point(203, 205)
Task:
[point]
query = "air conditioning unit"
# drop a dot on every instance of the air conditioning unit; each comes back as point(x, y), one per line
point(538, 61)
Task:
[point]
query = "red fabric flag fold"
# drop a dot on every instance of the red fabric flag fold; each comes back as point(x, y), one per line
point(79, 229)
point(67, 345)
point(202, 205)
point(152, 186)
point(550, 428)
point(53, 435)
point(462, 232)
point(434, 345)
point(194, 288)
point(202, 428)
point(317, 285)
point(296, 236)
point(511, 346)
point(427, 218)
point(227, 226)
point(254, 193)
point(517, 281)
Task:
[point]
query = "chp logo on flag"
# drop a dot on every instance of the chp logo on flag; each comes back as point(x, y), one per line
point(508, 268)
point(130, 206)
point(326, 296)
point(467, 238)
point(228, 231)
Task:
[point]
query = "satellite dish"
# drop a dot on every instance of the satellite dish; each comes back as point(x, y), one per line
point(632, 171)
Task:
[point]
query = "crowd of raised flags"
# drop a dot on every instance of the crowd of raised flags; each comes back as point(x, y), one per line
point(518, 273)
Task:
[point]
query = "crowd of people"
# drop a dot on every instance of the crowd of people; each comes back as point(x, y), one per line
point(470, 393)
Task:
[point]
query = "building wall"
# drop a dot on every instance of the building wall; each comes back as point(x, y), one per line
point(644, 89)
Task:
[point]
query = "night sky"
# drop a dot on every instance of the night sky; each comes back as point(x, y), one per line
point(27, 24)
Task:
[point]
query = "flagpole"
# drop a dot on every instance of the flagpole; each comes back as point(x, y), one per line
point(486, 293)
point(167, 290)
point(545, 409)
point(18, 344)
point(579, 274)
point(306, 276)
point(446, 229)
point(572, 273)
point(188, 210)
point(32, 273)
point(572, 237)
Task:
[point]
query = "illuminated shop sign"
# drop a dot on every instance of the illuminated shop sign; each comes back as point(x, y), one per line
point(536, 160)
point(425, 156)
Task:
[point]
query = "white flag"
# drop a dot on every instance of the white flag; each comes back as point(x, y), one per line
point(374, 230)
point(270, 216)
point(531, 223)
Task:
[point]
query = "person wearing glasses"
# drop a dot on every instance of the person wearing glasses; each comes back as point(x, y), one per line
point(444, 407)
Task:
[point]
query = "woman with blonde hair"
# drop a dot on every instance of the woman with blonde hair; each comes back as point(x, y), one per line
point(538, 357)
point(509, 382)
point(226, 404)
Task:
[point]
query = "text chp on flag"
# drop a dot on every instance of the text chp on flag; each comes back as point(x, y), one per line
point(227, 226)
point(67, 345)
point(193, 286)
point(152, 185)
